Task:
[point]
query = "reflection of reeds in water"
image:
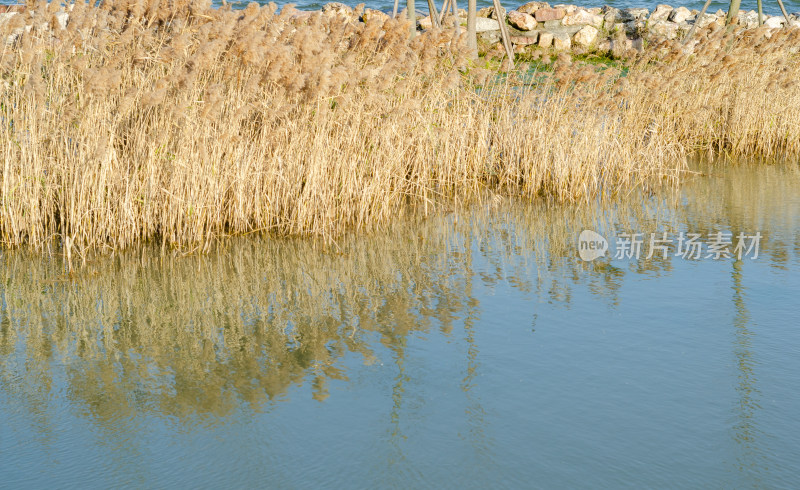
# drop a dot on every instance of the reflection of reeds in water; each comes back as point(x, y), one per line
point(185, 124)
point(201, 334)
point(146, 331)
point(748, 197)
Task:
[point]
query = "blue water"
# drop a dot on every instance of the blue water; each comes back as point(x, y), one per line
point(769, 7)
point(473, 349)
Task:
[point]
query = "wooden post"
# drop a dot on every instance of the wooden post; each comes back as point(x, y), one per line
point(412, 16)
point(696, 19)
point(733, 13)
point(454, 5)
point(500, 13)
point(433, 14)
point(785, 15)
point(445, 7)
point(760, 14)
point(472, 35)
point(394, 12)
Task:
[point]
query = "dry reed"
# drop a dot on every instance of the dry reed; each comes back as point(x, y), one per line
point(181, 123)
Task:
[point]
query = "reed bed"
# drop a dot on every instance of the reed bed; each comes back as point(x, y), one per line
point(176, 122)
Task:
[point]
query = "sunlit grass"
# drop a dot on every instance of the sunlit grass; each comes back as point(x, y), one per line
point(180, 123)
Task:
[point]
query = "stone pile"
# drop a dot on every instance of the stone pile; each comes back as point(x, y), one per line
point(28, 21)
point(603, 29)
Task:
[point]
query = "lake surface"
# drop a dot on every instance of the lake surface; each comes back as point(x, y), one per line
point(473, 349)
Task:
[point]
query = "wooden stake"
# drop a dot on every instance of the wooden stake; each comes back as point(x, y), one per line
point(445, 6)
point(500, 13)
point(760, 14)
point(733, 14)
point(696, 19)
point(412, 16)
point(785, 15)
point(472, 36)
point(454, 5)
point(434, 15)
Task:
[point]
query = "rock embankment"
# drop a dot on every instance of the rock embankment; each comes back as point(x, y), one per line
point(538, 25)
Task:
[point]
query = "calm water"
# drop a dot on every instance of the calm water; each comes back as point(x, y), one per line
point(470, 350)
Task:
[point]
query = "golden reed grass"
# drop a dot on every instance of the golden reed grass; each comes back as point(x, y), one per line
point(176, 122)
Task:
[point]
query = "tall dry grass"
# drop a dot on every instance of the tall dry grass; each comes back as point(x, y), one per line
point(181, 123)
